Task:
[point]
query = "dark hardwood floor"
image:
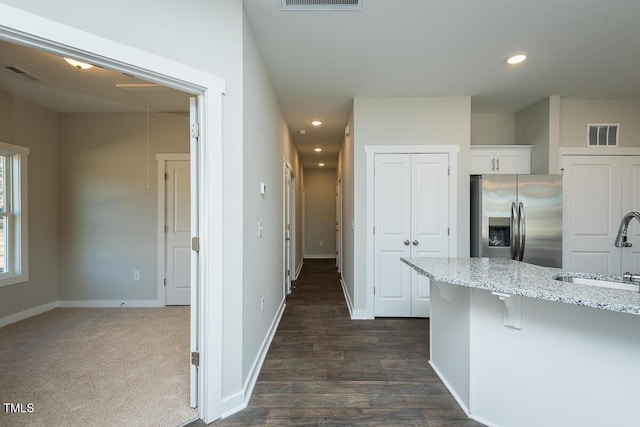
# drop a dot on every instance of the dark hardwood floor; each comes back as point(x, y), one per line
point(325, 369)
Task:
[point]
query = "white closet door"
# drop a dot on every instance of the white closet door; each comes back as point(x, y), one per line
point(392, 234)
point(429, 220)
point(631, 202)
point(591, 213)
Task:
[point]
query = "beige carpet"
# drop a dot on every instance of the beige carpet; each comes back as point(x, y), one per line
point(97, 367)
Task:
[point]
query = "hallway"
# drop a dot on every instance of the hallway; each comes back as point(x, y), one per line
point(325, 369)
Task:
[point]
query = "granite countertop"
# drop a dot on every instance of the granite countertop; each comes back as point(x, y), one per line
point(519, 278)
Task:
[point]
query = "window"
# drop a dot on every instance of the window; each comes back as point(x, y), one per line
point(13, 214)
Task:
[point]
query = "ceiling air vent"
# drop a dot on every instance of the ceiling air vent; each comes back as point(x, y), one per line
point(322, 4)
point(603, 134)
point(23, 73)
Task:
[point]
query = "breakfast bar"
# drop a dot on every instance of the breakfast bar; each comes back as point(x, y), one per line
point(523, 345)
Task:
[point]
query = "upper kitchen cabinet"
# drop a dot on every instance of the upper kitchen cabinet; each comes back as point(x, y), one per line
point(500, 159)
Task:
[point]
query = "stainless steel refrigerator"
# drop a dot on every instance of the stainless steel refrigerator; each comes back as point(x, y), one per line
point(517, 217)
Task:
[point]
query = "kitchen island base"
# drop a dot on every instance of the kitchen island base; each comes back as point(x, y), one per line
point(561, 365)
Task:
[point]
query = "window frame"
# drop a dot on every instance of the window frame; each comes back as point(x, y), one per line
point(17, 250)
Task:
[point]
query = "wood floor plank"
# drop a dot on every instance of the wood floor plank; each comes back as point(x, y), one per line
point(324, 369)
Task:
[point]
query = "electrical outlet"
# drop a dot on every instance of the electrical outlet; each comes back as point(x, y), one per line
point(262, 306)
point(136, 275)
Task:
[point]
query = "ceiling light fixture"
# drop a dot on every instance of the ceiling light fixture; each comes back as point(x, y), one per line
point(77, 64)
point(321, 164)
point(302, 132)
point(516, 59)
point(317, 150)
point(316, 122)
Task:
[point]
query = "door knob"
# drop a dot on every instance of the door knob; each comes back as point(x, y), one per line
point(415, 243)
point(406, 242)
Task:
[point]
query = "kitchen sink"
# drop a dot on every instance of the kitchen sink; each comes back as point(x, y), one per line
point(603, 283)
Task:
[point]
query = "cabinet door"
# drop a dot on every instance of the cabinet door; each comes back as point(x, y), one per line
point(429, 221)
point(591, 213)
point(513, 161)
point(631, 202)
point(392, 221)
point(482, 161)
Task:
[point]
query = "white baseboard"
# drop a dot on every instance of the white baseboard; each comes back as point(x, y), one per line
point(34, 311)
point(353, 313)
point(299, 269)
point(108, 303)
point(320, 256)
point(239, 401)
point(451, 390)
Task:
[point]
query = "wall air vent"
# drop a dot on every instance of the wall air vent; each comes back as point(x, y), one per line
point(23, 73)
point(603, 134)
point(322, 4)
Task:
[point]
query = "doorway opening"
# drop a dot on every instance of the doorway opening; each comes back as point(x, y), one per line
point(206, 195)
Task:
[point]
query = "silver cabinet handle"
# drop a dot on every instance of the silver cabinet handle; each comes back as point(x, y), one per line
point(415, 243)
point(406, 242)
point(497, 164)
point(493, 164)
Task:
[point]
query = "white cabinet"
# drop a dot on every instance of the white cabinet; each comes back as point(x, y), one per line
point(411, 217)
point(500, 159)
point(598, 192)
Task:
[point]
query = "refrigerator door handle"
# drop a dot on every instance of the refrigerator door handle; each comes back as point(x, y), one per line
point(515, 231)
point(522, 230)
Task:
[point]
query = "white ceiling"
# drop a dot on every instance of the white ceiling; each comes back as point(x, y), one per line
point(320, 60)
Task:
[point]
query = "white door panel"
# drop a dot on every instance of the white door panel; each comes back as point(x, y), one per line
point(392, 283)
point(591, 209)
point(411, 219)
point(178, 233)
point(631, 202)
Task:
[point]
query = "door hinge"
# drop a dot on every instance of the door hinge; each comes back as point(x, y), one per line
point(374, 290)
point(195, 130)
point(164, 281)
point(195, 244)
point(449, 170)
point(195, 358)
point(374, 231)
point(166, 176)
point(448, 231)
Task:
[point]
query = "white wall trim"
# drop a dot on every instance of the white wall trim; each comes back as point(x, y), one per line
point(371, 151)
point(353, 313)
point(34, 31)
point(108, 303)
point(162, 159)
point(599, 151)
point(299, 268)
point(25, 314)
point(319, 256)
point(240, 400)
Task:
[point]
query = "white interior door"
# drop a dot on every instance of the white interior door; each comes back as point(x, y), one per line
point(339, 225)
point(392, 283)
point(178, 233)
point(591, 213)
point(195, 380)
point(631, 202)
point(287, 230)
point(429, 221)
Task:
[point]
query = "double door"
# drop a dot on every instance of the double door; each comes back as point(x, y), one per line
point(411, 219)
point(599, 191)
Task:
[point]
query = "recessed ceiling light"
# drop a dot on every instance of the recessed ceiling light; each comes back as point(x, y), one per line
point(79, 65)
point(302, 132)
point(516, 59)
point(316, 122)
point(317, 150)
point(321, 164)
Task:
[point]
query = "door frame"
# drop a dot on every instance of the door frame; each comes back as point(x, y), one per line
point(288, 195)
point(339, 224)
point(371, 151)
point(23, 28)
point(162, 159)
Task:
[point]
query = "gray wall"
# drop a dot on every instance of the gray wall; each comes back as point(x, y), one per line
point(492, 129)
point(532, 127)
point(108, 201)
point(320, 212)
point(23, 123)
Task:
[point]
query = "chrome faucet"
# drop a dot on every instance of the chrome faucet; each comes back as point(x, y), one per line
point(621, 238)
